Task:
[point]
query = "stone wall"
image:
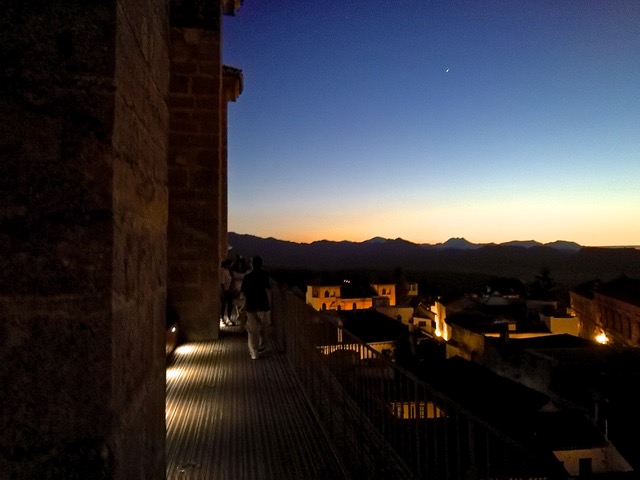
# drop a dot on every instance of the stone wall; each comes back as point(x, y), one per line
point(82, 233)
point(140, 216)
point(195, 169)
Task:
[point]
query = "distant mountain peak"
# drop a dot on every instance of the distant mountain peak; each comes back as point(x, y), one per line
point(458, 243)
point(376, 240)
point(564, 245)
point(521, 243)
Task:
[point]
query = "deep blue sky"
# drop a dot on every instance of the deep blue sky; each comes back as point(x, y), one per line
point(485, 119)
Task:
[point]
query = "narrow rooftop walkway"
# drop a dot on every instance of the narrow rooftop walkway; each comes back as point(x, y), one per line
point(232, 418)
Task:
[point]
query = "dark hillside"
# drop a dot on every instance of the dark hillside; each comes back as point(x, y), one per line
point(567, 266)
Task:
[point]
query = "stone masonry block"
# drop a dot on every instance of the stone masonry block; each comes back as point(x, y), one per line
point(179, 84)
point(179, 102)
point(208, 86)
point(204, 179)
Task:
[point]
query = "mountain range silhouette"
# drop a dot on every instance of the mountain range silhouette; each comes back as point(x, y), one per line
point(568, 262)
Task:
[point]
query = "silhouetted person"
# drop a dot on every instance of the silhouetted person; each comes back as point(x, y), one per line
point(256, 287)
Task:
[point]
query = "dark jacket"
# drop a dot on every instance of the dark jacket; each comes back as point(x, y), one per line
point(255, 286)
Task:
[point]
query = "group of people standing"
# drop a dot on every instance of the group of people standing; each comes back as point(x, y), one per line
point(246, 300)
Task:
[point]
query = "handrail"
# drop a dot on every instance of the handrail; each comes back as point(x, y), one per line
point(383, 421)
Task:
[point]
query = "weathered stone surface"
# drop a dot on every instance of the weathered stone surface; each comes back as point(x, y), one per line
point(202, 14)
point(53, 380)
point(86, 167)
point(197, 197)
point(140, 203)
point(83, 182)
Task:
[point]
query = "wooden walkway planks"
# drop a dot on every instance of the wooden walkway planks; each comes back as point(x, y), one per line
point(232, 418)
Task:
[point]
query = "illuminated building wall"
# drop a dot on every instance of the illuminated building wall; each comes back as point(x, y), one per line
point(602, 460)
point(466, 344)
point(442, 330)
point(619, 319)
point(609, 312)
point(558, 325)
point(386, 290)
point(583, 306)
point(328, 297)
point(321, 297)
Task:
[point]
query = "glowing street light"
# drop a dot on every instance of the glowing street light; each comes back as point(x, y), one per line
point(602, 338)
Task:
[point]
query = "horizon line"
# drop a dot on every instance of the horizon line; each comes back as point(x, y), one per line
point(439, 243)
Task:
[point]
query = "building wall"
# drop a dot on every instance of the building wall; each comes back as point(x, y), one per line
point(528, 368)
point(603, 460)
point(232, 85)
point(442, 328)
point(326, 295)
point(466, 344)
point(425, 323)
point(195, 172)
point(560, 325)
point(352, 304)
point(621, 320)
point(83, 220)
point(386, 290)
point(403, 314)
point(584, 308)
point(140, 215)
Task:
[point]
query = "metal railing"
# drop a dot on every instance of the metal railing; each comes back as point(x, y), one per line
point(384, 422)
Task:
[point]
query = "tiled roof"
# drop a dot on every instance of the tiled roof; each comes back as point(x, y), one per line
point(567, 430)
point(521, 411)
point(551, 341)
point(372, 326)
point(487, 394)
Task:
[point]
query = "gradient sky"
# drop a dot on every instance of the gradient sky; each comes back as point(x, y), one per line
point(493, 120)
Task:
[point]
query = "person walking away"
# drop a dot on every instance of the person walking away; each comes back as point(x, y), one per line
point(238, 270)
point(256, 287)
point(226, 298)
